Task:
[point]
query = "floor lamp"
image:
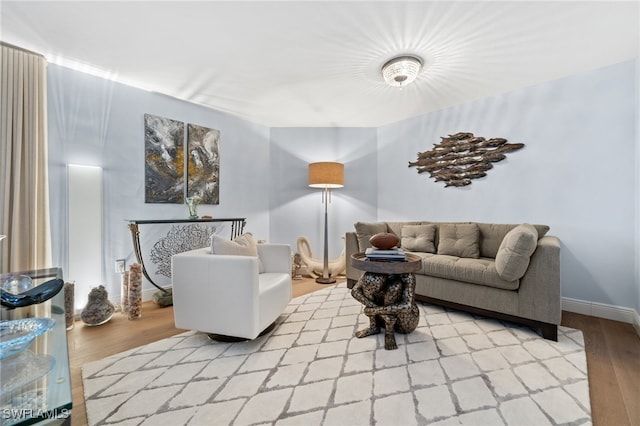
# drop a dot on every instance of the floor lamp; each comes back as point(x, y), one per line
point(326, 175)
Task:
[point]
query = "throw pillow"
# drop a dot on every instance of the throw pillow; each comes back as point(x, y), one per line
point(242, 245)
point(459, 239)
point(492, 234)
point(419, 238)
point(515, 252)
point(364, 231)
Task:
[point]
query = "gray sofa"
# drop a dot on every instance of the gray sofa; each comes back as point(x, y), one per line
point(505, 271)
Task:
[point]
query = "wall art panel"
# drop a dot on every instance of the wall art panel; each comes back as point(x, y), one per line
point(203, 164)
point(164, 160)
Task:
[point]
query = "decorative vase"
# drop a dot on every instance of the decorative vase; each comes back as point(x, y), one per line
point(98, 309)
point(192, 204)
point(124, 292)
point(69, 308)
point(135, 291)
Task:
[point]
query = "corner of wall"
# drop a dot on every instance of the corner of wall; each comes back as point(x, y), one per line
point(637, 227)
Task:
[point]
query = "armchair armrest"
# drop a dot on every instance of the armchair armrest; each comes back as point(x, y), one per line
point(275, 257)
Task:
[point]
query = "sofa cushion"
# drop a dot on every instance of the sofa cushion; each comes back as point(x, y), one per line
point(396, 227)
point(480, 271)
point(242, 245)
point(459, 239)
point(419, 238)
point(492, 234)
point(515, 252)
point(364, 231)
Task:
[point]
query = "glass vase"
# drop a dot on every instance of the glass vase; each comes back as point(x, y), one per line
point(192, 204)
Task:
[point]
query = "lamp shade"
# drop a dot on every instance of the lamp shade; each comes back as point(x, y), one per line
point(326, 175)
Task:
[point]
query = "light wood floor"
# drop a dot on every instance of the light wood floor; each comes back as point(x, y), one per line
point(613, 355)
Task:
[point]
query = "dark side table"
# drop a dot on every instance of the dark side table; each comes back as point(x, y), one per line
point(386, 289)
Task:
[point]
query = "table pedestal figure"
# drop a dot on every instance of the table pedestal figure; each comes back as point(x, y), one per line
point(389, 304)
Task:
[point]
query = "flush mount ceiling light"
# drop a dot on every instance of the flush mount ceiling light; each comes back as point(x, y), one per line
point(400, 71)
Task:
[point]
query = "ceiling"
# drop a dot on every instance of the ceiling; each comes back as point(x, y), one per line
point(317, 64)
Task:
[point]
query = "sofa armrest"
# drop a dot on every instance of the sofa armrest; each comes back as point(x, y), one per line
point(539, 291)
point(351, 247)
point(275, 257)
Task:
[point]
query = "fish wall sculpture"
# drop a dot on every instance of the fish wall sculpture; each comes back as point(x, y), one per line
point(461, 157)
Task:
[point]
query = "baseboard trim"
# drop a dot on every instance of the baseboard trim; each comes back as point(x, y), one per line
point(147, 296)
point(601, 310)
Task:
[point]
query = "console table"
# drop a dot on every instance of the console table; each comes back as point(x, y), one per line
point(237, 228)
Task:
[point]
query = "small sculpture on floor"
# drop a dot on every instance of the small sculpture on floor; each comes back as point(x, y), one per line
point(296, 265)
point(98, 309)
point(389, 304)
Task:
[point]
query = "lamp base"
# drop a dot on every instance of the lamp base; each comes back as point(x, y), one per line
point(321, 280)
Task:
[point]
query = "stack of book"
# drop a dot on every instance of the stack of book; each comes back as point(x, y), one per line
point(390, 255)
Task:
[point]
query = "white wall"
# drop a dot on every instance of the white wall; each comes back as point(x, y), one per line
point(577, 174)
point(85, 229)
point(637, 228)
point(97, 122)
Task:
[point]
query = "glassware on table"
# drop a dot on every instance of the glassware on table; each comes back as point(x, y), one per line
point(17, 335)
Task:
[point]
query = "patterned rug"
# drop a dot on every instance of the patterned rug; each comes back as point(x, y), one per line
point(455, 368)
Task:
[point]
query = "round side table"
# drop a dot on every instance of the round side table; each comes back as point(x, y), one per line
point(386, 289)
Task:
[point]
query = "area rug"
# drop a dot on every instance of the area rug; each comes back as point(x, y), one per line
point(455, 368)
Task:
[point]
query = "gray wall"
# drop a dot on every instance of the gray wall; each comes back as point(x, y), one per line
point(577, 174)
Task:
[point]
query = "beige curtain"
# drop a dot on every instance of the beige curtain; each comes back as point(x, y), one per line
point(24, 191)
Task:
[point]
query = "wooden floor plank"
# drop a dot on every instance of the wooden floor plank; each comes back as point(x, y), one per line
point(607, 402)
point(624, 351)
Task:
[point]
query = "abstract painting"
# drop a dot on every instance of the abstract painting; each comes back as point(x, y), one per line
point(164, 160)
point(203, 164)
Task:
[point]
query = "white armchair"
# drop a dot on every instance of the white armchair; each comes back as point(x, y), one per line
point(230, 296)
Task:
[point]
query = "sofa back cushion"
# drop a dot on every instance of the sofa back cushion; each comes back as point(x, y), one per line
point(419, 238)
point(396, 227)
point(492, 234)
point(515, 252)
point(459, 239)
point(366, 230)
